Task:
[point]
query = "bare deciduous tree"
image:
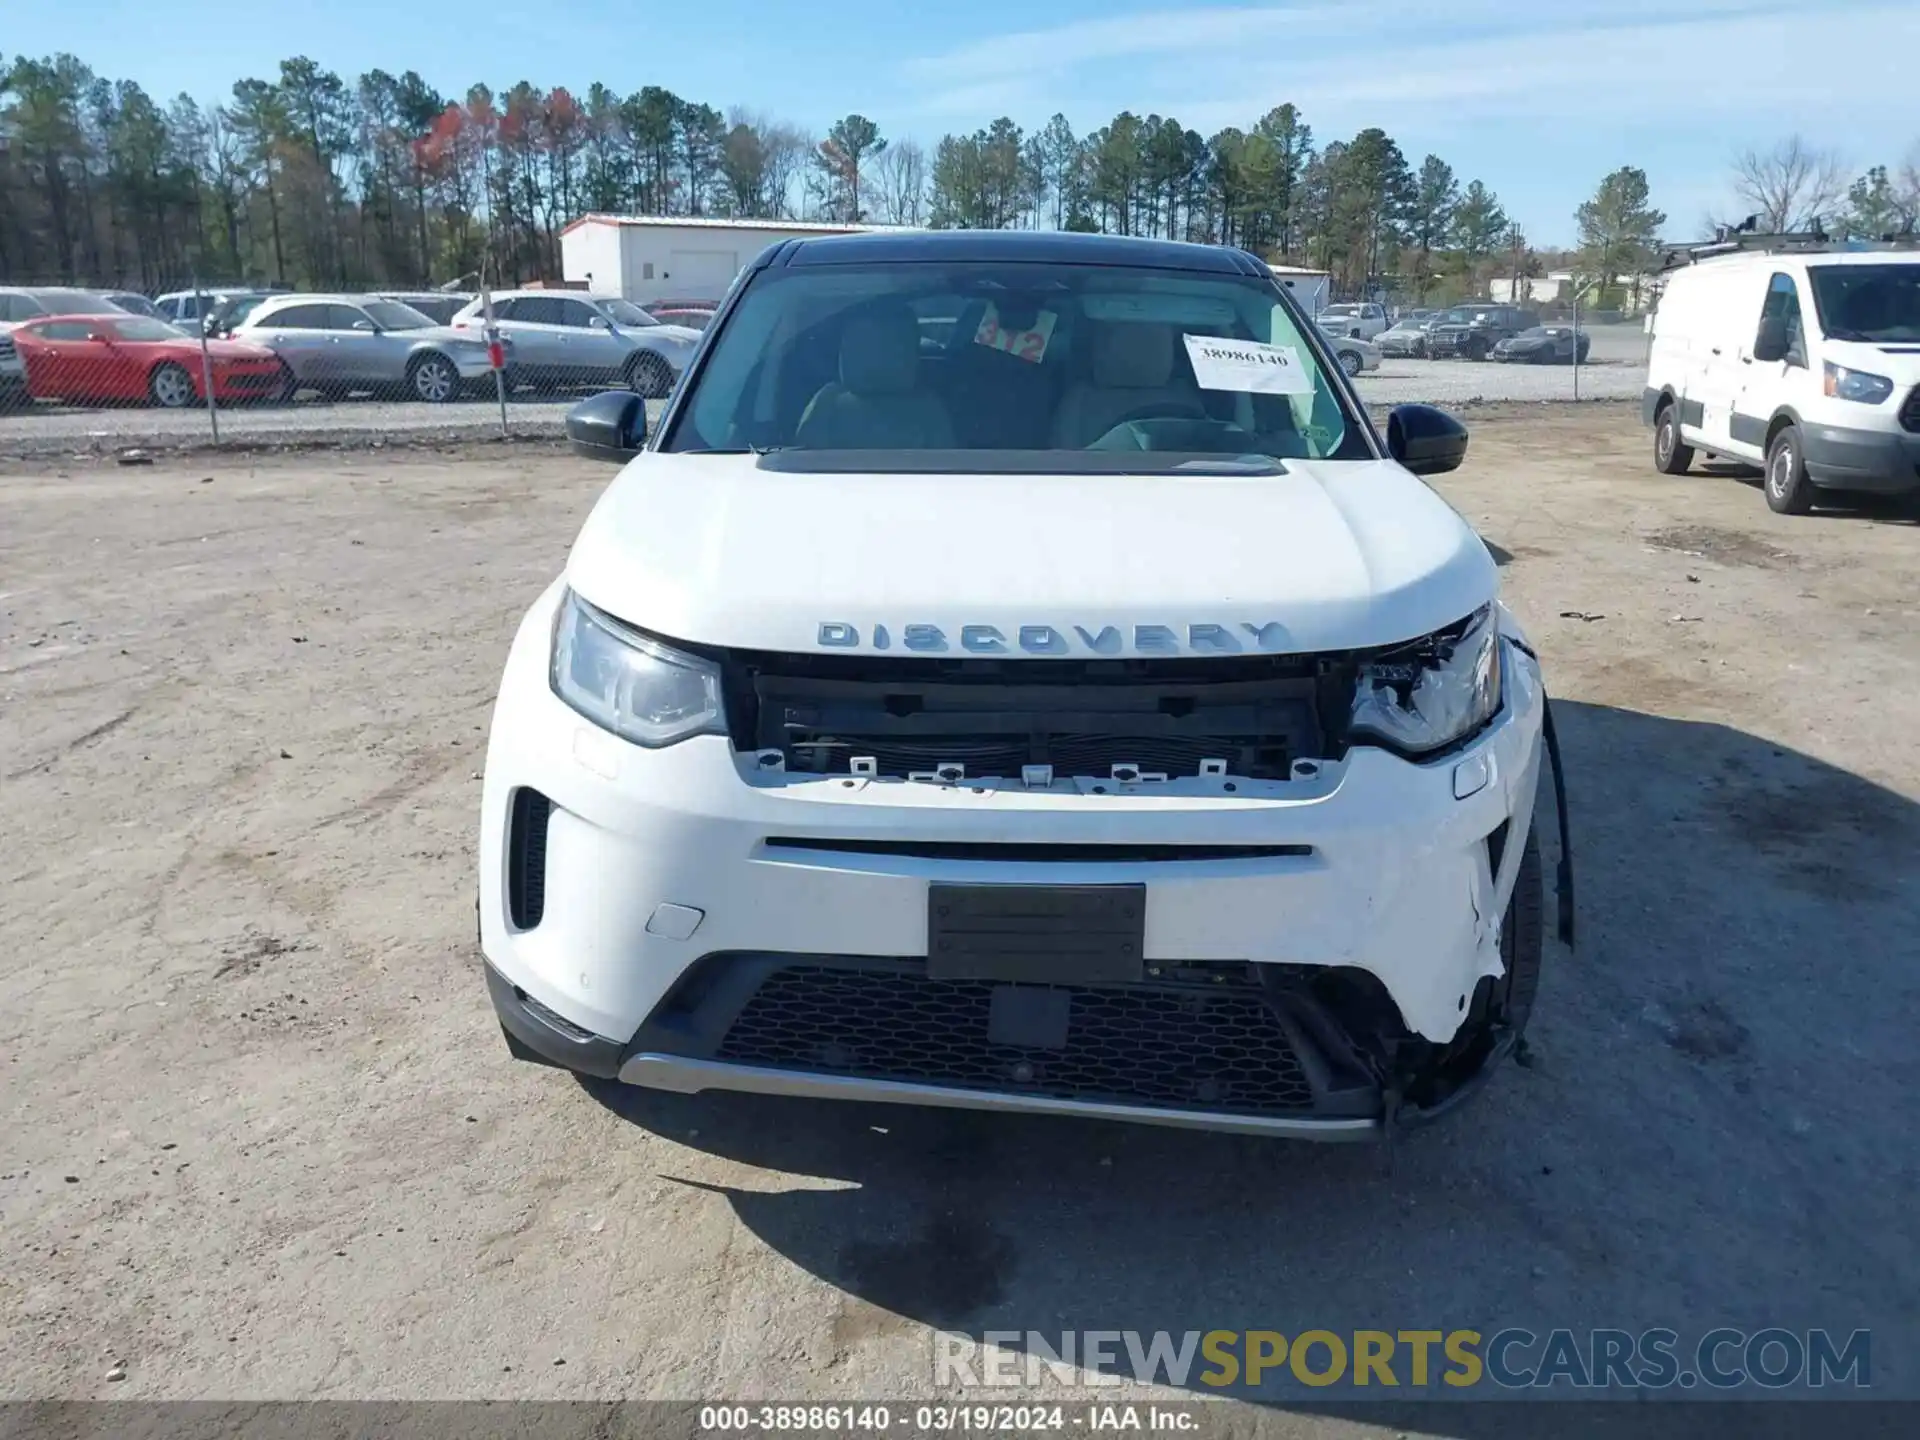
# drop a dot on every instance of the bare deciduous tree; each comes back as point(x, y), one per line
point(900, 181)
point(1790, 186)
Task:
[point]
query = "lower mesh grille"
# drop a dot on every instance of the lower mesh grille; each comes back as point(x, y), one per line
point(1212, 1047)
point(527, 858)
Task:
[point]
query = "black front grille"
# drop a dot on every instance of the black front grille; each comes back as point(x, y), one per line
point(527, 821)
point(1215, 1047)
point(1910, 412)
point(1257, 714)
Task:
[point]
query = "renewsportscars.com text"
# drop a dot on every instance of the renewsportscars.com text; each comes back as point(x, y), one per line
point(1513, 1358)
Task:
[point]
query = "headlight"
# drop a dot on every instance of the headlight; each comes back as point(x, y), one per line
point(639, 689)
point(1845, 384)
point(1434, 692)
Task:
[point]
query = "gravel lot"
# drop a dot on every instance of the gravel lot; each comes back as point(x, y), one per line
point(261, 1138)
point(1617, 373)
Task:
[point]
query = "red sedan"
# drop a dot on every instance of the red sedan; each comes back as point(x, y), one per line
point(95, 359)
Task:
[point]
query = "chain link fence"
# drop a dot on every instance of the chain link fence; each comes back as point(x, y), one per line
point(199, 363)
point(206, 363)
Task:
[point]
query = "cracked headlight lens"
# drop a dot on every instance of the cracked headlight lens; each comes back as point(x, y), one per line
point(1435, 692)
point(641, 690)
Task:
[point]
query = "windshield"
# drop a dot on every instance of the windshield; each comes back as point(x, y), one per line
point(1014, 356)
point(141, 328)
point(56, 302)
point(625, 312)
point(1877, 304)
point(392, 315)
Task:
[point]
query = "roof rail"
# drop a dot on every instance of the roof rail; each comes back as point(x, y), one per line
point(1747, 237)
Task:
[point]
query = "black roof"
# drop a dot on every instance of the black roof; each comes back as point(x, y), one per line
point(1060, 247)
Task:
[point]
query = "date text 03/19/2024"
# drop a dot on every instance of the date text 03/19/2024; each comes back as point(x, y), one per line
point(961, 1418)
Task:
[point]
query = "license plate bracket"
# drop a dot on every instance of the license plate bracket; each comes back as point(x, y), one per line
point(1037, 934)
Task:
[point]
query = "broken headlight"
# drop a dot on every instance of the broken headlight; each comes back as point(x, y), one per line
point(639, 689)
point(1434, 692)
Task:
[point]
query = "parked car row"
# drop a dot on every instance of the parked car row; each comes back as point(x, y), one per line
point(93, 347)
point(1484, 332)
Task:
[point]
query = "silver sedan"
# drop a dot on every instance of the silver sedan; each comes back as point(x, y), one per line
point(337, 344)
point(1354, 354)
point(568, 337)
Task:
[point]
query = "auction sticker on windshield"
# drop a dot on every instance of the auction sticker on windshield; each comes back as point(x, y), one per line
point(1029, 344)
point(1247, 366)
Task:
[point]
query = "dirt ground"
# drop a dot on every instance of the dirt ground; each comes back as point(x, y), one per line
point(259, 1137)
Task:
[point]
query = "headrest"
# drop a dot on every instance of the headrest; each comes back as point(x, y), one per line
point(1128, 355)
point(880, 351)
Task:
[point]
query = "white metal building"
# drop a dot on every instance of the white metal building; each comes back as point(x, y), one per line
point(1312, 288)
point(672, 257)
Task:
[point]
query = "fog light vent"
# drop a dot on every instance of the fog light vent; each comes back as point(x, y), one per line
point(527, 858)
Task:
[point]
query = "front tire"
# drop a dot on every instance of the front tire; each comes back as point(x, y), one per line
point(172, 387)
point(1477, 349)
point(1671, 455)
point(1351, 363)
point(434, 379)
point(1789, 490)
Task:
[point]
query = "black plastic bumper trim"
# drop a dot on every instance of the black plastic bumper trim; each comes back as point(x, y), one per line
point(522, 1018)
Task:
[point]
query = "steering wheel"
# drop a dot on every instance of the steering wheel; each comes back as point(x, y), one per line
point(1159, 410)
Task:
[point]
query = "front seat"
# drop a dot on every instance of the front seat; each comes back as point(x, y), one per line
point(875, 404)
point(1131, 378)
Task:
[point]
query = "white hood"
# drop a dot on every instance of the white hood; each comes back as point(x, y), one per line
point(1331, 555)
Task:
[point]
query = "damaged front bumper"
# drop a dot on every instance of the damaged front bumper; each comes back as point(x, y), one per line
point(701, 924)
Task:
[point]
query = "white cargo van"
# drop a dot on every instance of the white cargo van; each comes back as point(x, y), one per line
point(1804, 359)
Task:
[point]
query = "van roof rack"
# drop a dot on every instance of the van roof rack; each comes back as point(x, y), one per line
point(1748, 237)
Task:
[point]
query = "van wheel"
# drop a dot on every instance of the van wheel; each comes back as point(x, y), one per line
point(1350, 362)
point(1671, 455)
point(1789, 491)
point(1477, 348)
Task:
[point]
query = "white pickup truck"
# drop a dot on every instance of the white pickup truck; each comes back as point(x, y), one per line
point(1358, 322)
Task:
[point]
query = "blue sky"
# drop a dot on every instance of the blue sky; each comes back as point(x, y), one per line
point(1539, 101)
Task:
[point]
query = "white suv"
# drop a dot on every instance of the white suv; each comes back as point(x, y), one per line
point(1805, 363)
point(1016, 674)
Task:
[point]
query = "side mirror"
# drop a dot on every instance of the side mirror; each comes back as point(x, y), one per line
point(366, 327)
point(99, 337)
point(1771, 342)
point(1425, 440)
point(609, 426)
point(597, 323)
